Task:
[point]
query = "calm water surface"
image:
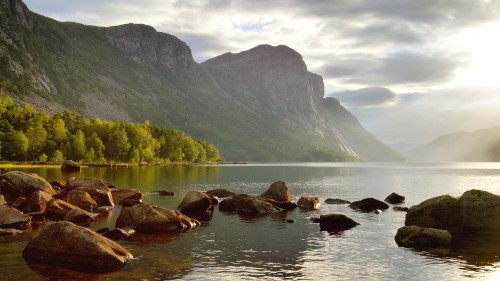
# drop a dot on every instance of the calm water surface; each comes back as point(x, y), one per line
point(231, 247)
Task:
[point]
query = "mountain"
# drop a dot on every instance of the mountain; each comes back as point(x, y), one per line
point(477, 146)
point(258, 105)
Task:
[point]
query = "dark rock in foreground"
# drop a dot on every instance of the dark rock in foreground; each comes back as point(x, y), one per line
point(394, 198)
point(36, 202)
point(68, 245)
point(12, 218)
point(336, 201)
point(153, 218)
point(335, 222)
point(70, 166)
point(309, 203)
point(221, 193)
point(476, 211)
point(421, 237)
point(368, 205)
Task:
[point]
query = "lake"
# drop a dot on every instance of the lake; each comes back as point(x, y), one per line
point(231, 247)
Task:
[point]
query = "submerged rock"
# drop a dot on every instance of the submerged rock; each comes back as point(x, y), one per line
point(16, 184)
point(153, 218)
point(368, 205)
point(118, 233)
point(221, 193)
point(394, 198)
point(278, 191)
point(335, 222)
point(422, 237)
point(68, 245)
point(400, 209)
point(336, 201)
point(165, 193)
point(12, 218)
point(309, 203)
point(70, 166)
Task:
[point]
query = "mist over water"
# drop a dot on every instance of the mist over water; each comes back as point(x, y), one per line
point(231, 247)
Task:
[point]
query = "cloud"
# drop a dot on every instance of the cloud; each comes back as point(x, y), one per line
point(366, 97)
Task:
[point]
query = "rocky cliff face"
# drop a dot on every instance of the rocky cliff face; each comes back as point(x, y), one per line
point(258, 105)
point(147, 46)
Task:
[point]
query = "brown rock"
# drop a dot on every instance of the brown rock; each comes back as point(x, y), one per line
point(153, 218)
point(254, 205)
point(309, 203)
point(59, 184)
point(440, 212)
point(400, 209)
point(10, 232)
point(368, 205)
point(79, 216)
point(421, 237)
point(278, 191)
point(86, 182)
point(81, 199)
point(68, 245)
point(165, 193)
point(336, 201)
point(15, 184)
point(221, 193)
point(335, 222)
point(118, 233)
point(12, 218)
point(102, 196)
point(195, 202)
point(70, 166)
point(18, 203)
point(121, 194)
point(36, 202)
point(58, 209)
point(2, 200)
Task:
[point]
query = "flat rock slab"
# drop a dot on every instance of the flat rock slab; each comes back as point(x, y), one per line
point(12, 218)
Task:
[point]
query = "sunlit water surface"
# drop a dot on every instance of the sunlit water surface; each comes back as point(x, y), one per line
point(231, 247)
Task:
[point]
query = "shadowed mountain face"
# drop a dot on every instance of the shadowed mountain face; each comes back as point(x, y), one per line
point(257, 105)
point(477, 146)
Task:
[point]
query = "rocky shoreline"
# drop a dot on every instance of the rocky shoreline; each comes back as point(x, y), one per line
point(65, 210)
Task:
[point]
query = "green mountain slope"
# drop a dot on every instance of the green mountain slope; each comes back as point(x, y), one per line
point(258, 105)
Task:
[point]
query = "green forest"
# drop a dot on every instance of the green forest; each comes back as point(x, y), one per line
point(30, 135)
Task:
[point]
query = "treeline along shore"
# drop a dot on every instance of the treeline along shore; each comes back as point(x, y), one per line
point(28, 135)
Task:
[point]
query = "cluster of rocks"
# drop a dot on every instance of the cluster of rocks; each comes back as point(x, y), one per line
point(66, 210)
point(442, 221)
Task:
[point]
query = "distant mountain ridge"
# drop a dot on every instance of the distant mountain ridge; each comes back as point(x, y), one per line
point(478, 146)
point(258, 105)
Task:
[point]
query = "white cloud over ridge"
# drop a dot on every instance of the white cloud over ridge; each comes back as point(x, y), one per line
point(432, 47)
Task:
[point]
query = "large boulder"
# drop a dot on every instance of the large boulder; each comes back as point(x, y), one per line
point(81, 199)
point(126, 195)
point(153, 218)
point(335, 222)
point(36, 202)
point(98, 189)
point(195, 202)
point(368, 205)
point(480, 212)
point(59, 209)
point(309, 203)
point(70, 166)
point(440, 212)
point(247, 204)
point(68, 245)
point(421, 237)
point(220, 193)
point(16, 184)
point(394, 198)
point(12, 218)
point(278, 191)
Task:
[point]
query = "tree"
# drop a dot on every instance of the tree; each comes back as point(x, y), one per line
point(37, 135)
point(58, 157)
point(118, 146)
point(212, 153)
point(14, 145)
point(59, 131)
point(202, 154)
point(189, 149)
point(96, 144)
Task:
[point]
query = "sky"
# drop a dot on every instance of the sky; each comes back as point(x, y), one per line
point(409, 70)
